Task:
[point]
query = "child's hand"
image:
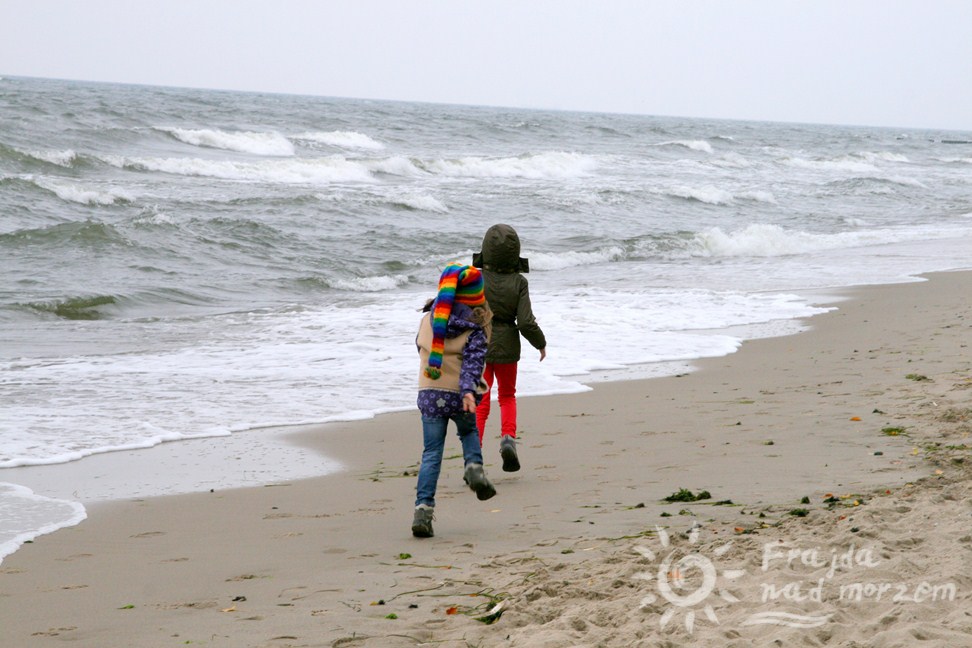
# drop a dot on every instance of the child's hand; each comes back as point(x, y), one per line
point(469, 403)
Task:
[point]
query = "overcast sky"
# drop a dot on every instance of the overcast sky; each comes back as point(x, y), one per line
point(905, 63)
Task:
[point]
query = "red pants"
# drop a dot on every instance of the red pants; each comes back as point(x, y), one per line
point(505, 375)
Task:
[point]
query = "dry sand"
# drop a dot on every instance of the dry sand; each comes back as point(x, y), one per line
point(867, 416)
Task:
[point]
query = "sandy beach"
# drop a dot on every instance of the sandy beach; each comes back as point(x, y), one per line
point(836, 464)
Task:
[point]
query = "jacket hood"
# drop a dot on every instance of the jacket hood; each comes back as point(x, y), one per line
point(501, 250)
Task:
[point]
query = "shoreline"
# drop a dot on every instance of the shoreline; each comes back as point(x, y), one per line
point(311, 556)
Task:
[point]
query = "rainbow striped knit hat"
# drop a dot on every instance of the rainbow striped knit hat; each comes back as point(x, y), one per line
point(458, 283)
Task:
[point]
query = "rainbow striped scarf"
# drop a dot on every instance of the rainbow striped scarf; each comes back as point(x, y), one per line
point(458, 283)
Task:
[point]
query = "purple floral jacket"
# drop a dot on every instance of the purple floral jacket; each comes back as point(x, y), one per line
point(443, 402)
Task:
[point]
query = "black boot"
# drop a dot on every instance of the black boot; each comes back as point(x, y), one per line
point(422, 523)
point(511, 463)
point(477, 480)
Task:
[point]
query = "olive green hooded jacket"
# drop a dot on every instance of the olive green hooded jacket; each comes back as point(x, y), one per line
point(508, 295)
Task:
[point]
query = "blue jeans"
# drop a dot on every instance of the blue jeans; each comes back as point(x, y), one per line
point(434, 431)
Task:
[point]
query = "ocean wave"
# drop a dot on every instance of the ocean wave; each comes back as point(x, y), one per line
point(396, 165)
point(293, 171)
point(369, 284)
point(881, 156)
point(571, 258)
point(731, 161)
point(695, 145)
point(756, 240)
point(709, 194)
point(83, 233)
point(956, 160)
point(47, 515)
point(273, 144)
point(65, 158)
point(839, 164)
point(342, 139)
point(762, 240)
point(74, 308)
point(535, 166)
point(419, 202)
point(78, 194)
point(876, 184)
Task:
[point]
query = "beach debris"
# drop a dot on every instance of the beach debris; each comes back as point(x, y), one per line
point(727, 502)
point(127, 607)
point(238, 598)
point(799, 512)
point(878, 453)
point(391, 616)
point(770, 442)
point(805, 500)
point(404, 556)
point(378, 602)
point(231, 608)
point(918, 377)
point(855, 418)
point(893, 431)
point(452, 610)
point(495, 613)
point(876, 411)
point(685, 495)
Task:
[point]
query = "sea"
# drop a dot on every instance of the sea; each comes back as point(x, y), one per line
point(185, 264)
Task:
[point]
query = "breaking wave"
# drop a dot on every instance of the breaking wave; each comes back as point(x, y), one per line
point(273, 144)
point(342, 139)
point(537, 166)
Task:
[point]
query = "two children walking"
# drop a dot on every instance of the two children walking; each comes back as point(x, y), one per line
point(463, 347)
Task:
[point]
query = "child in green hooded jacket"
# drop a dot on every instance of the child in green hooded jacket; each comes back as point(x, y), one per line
point(508, 295)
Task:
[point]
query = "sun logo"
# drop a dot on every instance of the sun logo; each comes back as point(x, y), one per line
point(686, 581)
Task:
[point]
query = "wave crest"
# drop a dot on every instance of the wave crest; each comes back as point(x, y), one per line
point(695, 145)
point(78, 194)
point(342, 139)
point(273, 144)
point(74, 308)
point(534, 166)
point(295, 171)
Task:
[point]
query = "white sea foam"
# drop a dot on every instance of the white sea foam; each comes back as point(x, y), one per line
point(572, 258)
point(63, 158)
point(762, 240)
point(342, 139)
point(396, 165)
point(908, 182)
point(244, 142)
point(695, 145)
point(537, 166)
point(881, 156)
point(841, 164)
point(758, 196)
point(75, 193)
point(420, 202)
point(25, 516)
point(370, 284)
point(291, 171)
point(709, 194)
point(731, 161)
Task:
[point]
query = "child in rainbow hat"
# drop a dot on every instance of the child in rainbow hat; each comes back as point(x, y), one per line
point(452, 340)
